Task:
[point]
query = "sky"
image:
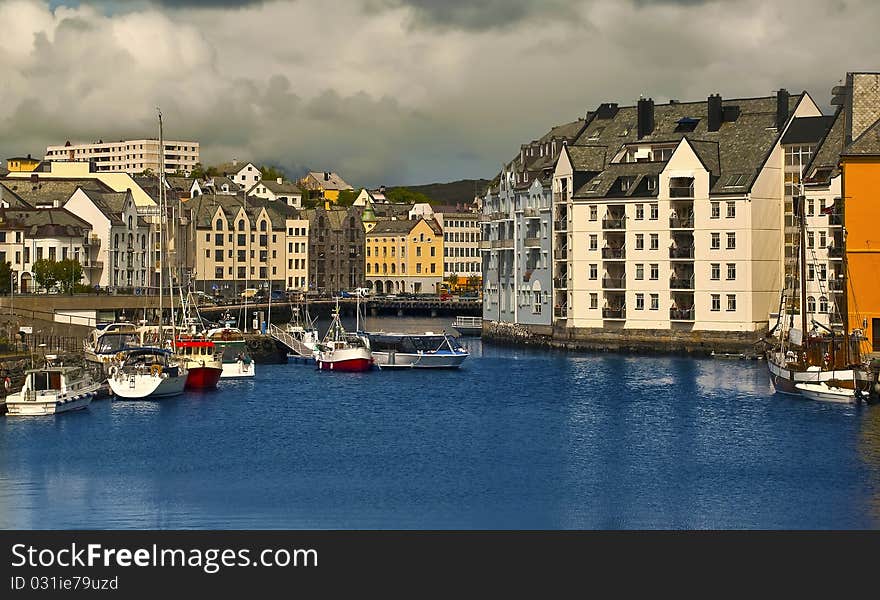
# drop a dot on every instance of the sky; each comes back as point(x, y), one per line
point(396, 92)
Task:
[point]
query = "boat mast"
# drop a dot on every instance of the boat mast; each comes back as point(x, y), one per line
point(248, 261)
point(802, 235)
point(161, 213)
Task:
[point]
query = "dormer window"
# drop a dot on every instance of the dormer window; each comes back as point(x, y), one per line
point(652, 183)
point(687, 124)
point(662, 154)
point(596, 133)
point(594, 186)
point(626, 183)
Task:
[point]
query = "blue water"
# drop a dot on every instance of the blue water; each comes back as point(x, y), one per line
point(515, 439)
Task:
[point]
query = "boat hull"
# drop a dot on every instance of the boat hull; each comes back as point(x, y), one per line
point(469, 331)
point(147, 386)
point(238, 369)
point(203, 378)
point(408, 360)
point(825, 393)
point(785, 380)
point(51, 405)
point(346, 360)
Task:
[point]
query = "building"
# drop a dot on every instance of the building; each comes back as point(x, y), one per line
point(278, 190)
point(366, 197)
point(405, 256)
point(669, 217)
point(29, 235)
point(21, 164)
point(244, 174)
point(860, 165)
point(516, 240)
point(326, 183)
point(461, 246)
point(129, 156)
point(117, 253)
point(336, 249)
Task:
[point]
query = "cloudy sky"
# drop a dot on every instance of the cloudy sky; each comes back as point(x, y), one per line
point(396, 91)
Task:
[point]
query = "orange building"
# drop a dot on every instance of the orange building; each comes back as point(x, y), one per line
point(860, 164)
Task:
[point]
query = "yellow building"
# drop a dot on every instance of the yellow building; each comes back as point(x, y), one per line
point(861, 189)
point(405, 256)
point(329, 184)
point(21, 164)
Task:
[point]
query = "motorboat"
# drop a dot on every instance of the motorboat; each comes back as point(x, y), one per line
point(465, 325)
point(148, 374)
point(343, 351)
point(52, 390)
point(232, 347)
point(827, 393)
point(417, 350)
point(202, 361)
point(107, 340)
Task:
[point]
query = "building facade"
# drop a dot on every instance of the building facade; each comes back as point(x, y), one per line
point(336, 249)
point(404, 256)
point(278, 190)
point(326, 183)
point(462, 259)
point(129, 156)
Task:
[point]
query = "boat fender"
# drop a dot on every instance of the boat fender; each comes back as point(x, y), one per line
point(113, 371)
point(156, 370)
point(826, 359)
point(7, 383)
point(120, 356)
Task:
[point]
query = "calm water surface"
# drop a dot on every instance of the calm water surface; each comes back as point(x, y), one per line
point(515, 439)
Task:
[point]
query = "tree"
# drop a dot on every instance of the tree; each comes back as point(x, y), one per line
point(5, 276)
point(198, 171)
point(406, 196)
point(474, 282)
point(347, 197)
point(68, 272)
point(271, 173)
point(45, 273)
point(147, 173)
point(452, 280)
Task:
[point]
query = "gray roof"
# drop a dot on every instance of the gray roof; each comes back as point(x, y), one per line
point(867, 144)
point(111, 204)
point(276, 188)
point(11, 198)
point(44, 222)
point(204, 208)
point(807, 130)
point(333, 181)
point(740, 146)
point(824, 165)
point(587, 157)
point(51, 191)
point(402, 226)
point(391, 210)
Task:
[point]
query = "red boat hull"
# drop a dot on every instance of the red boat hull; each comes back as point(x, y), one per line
point(203, 378)
point(353, 365)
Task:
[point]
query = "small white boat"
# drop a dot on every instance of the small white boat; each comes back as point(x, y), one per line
point(826, 393)
point(232, 346)
point(343, 351)
point(108, 340)
point(468, 325)
point(416, 350)
point(52, 390)
point(148, 374)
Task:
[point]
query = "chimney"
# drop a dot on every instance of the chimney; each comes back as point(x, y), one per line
point(606, 110)
point(645, 113)
point(280, 180)
point(326, 176)
point(782, 97)
point(715, 112)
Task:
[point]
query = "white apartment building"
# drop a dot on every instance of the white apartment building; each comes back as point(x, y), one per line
point(461, 245)
point(297, 256)
point(129, 156)
point(670, 217)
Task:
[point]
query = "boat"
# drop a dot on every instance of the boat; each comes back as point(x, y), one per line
point(52, 390)
point(827, 393)
point(468, 325)
point(416, 350)
point(302, 329)
point(202, 361)
point(343, 351)
point(232, 347)
point(148, 374)
point(107, 340)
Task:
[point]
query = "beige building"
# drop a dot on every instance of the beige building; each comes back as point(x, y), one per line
point(461, 245)
point(129, 156)
point(404, 256)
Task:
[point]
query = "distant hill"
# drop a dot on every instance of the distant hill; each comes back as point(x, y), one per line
point(442, 193)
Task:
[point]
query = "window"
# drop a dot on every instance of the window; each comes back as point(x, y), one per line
point(594, 241)
point(822, 272)
point(811, 272)
point(594, 271)
point(655, 301)
point(655, 272)
point(640, 241)
point(640, 271)
point(640, 302)
point(655, 241)
point(594, 213)
point(823, 304)
point(811, 207)
point(810, 240)
point(715, 269)
point(716, 210)
point(594, 301)
point(731, 302)
point(655, 211)
point(731, 241)
point(731, 210)
point(811, 304)
point(652, 183)
point(716, 302)
point(731, 271)
point(823, 239)
point(640, 212)
point(433, 251)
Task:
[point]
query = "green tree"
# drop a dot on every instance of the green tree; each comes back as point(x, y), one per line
point(198, 171)
point(45, 273)
point(474, 282)
point(5, 277)
point(147, 173)
point(271, 173)
point(347, 197)
point(406, 196)
point(452, 280)
point(69, 273)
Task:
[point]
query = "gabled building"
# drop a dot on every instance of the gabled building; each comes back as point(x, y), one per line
point(326, 183)
point(336, 249)
point(405, 256)
point(277, 190)
point(669, 217)
point(21, 164)
point(244, 174)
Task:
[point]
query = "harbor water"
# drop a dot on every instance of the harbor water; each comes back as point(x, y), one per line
point(517, 438)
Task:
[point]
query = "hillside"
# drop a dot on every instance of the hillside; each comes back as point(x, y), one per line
point(444, 193)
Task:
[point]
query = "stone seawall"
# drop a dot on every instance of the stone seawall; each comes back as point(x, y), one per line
point(627, 341)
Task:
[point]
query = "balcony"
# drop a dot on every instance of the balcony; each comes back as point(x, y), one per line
point(506, 244)
point(614, 223)
point(560, 283)
point(532, 213)
point(614, 283)
point(532, 242)
point(95, 264)
point(618, 314)
point(686, 253)
point(681, 187)
point(681, 222)
point(835, 285)
point(614, 253)
point(681, 283)
point(560, 254)
point(835, 252)
point(91, 241)
point(835, 219)
point(560, 312)
point(560, 225)
point(681, 314)
point(485, 245)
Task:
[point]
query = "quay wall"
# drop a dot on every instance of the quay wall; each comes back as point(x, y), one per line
point(626, 341)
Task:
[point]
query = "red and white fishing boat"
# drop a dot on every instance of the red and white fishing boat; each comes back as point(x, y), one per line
point(202, 360)
point(343, 351)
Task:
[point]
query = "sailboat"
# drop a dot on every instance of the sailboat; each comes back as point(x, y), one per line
point(813, 354)
point(302, 328)
point(343, 351)
point(148, 372)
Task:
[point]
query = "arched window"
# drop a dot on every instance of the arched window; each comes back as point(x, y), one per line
point(823, 304)
point(241, 225)
point(219, 225)
point(262, 225)
point(368, 268)
point(376, 268)
point(392, 268)
point(116, 240)
point(129, 222)
point(811, 304)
